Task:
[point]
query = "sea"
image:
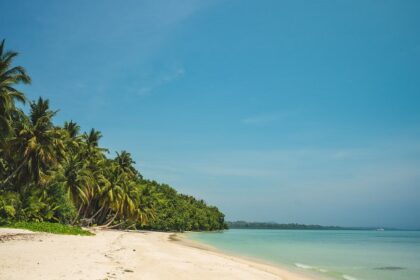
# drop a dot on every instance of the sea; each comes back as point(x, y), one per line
point(328, 254)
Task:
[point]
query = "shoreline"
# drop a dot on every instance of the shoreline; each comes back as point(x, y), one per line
point(275, 268)
point(113, 254)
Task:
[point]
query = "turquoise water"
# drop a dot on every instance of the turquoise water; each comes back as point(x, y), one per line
point(342, 254)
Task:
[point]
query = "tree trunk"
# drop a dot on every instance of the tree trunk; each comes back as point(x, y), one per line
point(103, 215)
point(114, 226)
point(13, 173)
point(97, 212)
point(110, 221)
point(78, 214)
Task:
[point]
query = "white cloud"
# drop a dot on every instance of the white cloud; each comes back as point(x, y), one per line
point(161, 80)
point(174, 75)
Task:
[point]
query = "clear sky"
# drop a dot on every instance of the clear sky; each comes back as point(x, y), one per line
point(287, 111)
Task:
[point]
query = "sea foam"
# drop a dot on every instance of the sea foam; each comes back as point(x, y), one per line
point(304, 266)
point(348, 277)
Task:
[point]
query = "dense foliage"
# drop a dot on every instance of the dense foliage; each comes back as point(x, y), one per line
point(55, 173)
point(180, 212)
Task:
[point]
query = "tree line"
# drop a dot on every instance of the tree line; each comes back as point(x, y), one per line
point(59, 174)
point(267, 225)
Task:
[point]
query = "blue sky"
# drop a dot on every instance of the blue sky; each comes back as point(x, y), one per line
point(287, 111)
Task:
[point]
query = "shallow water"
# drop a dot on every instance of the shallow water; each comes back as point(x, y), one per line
point(341, 254)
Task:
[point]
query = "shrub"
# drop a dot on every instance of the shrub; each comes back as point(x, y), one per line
point(49, 227)
point(49, 204)
point(10, 204)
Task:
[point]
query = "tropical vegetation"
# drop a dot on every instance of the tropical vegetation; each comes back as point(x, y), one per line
point(55, 228)
point(57, 173)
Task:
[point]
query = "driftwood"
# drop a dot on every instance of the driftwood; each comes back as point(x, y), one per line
point(86, 222)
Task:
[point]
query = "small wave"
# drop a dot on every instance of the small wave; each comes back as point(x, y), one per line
point(323, 270)
point(348, 277)
point(304, 266)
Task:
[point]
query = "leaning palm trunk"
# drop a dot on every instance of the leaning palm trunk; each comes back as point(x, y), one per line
point(97, 212)
point(117, 225)
point(78, 215)
point(109, 222)
point(13, 173)
point(102, 217)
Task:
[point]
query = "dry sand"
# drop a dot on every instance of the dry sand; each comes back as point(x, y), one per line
point(121, 255)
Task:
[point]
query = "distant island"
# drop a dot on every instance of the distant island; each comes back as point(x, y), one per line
point(272, 225)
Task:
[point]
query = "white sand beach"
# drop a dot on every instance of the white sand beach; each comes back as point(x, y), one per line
point(121, 255)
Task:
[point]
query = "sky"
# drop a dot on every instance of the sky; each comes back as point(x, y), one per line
point(283, 111)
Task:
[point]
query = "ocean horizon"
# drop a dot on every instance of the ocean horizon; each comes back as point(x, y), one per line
point(326, 254)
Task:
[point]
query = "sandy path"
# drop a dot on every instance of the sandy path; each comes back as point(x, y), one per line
point(120, 255)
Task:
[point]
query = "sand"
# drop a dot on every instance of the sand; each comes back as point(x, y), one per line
point(122, 255)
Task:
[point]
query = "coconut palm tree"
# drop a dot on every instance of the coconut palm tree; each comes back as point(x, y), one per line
point(86, 189)
point(92, 138)
point(74, 177)
point(118, 199)
point(73, 139)
point(72, 128)
point(39, 144)
point(125, 163)
point(9, 77)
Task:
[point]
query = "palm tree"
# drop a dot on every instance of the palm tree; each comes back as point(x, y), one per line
point(41, 113)
point(72, 128)
point(9, 77)
point(73, 139)
point(83, 185)
point(39, 144)
point(75, 177)
point(125, 163)
point(118, 199)
point(92, 139)
point(149, 199)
